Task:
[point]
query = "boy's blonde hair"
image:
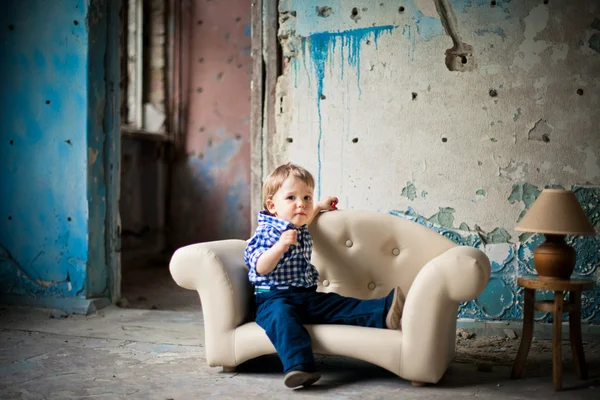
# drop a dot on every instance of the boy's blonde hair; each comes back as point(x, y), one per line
point(279, 175)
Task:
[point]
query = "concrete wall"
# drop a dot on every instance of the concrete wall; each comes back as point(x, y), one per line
point(143, 196)
point(367, 103)
point(57, 152)
point(210, 196)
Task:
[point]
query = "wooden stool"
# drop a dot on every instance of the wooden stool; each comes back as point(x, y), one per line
point(558, 307)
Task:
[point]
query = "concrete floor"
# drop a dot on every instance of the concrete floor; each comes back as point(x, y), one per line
point(155, 354)
point(152, 348)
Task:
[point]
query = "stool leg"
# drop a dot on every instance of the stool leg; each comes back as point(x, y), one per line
point(526, 336)
point(575, 335)
point(557, 341)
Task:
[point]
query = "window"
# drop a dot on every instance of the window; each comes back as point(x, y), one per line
point(143, 68)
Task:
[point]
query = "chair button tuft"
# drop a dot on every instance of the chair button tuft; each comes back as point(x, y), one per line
point(396, 252)
point(325, 283)
point(349, 243)
point(371, 285)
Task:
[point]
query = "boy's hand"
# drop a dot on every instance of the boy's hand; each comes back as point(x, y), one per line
point(328, 203)
point(287, 239)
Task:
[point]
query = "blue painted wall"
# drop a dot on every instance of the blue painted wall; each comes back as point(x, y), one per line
point(52, 105)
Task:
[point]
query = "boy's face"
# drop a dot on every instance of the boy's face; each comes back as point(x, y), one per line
point(293, 202)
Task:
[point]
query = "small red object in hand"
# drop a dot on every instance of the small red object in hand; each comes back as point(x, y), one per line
point(334, 204)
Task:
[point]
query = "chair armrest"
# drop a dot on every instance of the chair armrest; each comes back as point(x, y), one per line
point(431, 308)
point(217, 272)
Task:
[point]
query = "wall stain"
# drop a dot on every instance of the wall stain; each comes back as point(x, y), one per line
point(517, 114)
point(444, 217)
point(409, 191)
point(525, 193)
point(464, 227)
point(498, 235)
point(495, 31)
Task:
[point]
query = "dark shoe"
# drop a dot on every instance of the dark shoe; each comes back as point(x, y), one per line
point(394, 315)
point(300, 378)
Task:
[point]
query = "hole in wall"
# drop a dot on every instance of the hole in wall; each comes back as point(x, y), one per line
point(9, 218)
point(401, 10)
point(414, 95)
point(444, 139)
point(75, 22)
point(323, 11)
point(201, 60)
point(493, 3)
point(580, 92)
point(545, 1)
point(47, 101)
point(238, 19)
point(199, 90)
point(493, 93)
point(545, 138)
point(69, 219)
point(355, 140)
point(200, 22)
point(463, 59)
point(354, 11)
point(11, 142)
point(323, 97)
point(11, 27)
point(289, 140)
point(368, 42)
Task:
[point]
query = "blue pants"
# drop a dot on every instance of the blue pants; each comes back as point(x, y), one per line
point(281, 313)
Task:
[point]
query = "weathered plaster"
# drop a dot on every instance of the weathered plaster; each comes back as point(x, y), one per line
point(371, 109)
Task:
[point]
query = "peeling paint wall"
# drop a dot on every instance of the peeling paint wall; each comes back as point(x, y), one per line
point(211, 182)
point(368, 104)
point(58, 138)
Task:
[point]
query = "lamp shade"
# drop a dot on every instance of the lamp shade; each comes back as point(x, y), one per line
point(556, 211)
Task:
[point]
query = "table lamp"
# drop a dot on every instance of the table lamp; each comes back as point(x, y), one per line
point(555, 213)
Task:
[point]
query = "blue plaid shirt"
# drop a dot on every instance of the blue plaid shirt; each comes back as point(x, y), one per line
point(294, 268)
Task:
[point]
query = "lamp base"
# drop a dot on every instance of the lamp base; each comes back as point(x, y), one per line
point(554, 259)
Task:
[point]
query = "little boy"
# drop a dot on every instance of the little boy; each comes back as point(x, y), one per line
point(285, 282)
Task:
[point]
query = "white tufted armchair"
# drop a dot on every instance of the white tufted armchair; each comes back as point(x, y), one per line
point(361, 254)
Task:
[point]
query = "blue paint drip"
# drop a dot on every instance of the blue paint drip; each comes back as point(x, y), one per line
point(295, 64)
point(319, 45)
point(406, 31)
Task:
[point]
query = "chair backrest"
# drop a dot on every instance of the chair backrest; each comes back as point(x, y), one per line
point(364, 254)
